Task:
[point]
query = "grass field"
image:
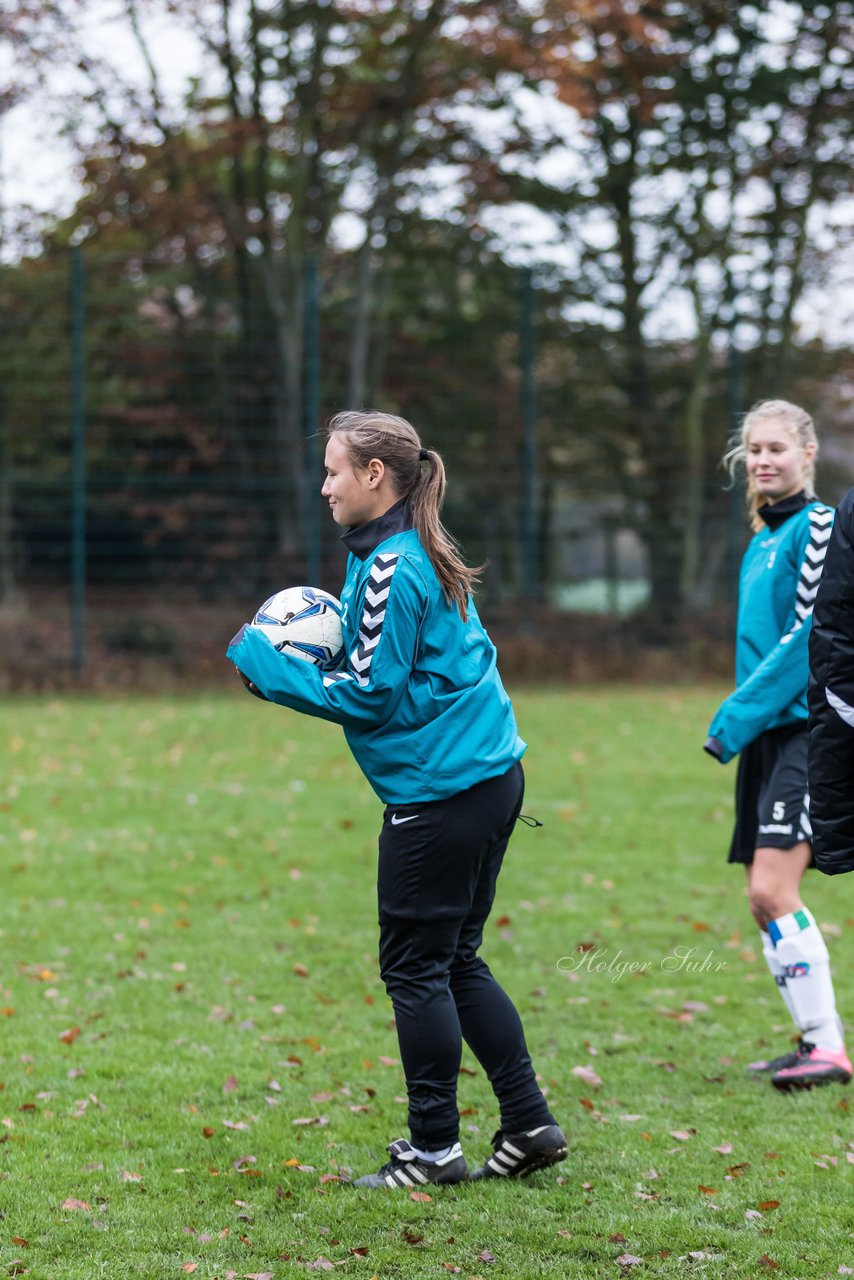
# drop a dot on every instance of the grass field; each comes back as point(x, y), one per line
point(197, 1050)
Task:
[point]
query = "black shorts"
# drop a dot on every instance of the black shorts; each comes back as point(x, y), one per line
point(771, 794)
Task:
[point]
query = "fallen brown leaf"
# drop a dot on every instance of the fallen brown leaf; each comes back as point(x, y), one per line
point(588, 1075)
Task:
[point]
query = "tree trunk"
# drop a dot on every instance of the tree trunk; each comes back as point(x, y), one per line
point(363, 311)
point(8, 586)
point(691, 586)
point(287, 300)
point(660, 534)
point(658, 528)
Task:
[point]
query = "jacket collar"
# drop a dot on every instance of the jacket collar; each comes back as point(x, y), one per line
point(776, 513)
point(365, 538)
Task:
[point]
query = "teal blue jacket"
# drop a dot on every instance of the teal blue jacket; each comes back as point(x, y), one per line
point(779, 579)
point(420, 699)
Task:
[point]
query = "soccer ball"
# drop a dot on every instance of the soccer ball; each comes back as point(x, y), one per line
point(304, 622)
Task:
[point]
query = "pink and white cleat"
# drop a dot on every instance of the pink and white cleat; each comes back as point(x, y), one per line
point(814, 1066)
point(767, 1066)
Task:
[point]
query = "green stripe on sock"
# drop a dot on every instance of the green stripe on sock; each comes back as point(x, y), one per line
point(802, 919)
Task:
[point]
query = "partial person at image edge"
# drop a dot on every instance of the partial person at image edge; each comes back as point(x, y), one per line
point(764, 722)
point(831, 701)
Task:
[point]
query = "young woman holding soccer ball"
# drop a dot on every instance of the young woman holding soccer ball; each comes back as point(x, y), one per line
point(764, 722)
point(427, 719)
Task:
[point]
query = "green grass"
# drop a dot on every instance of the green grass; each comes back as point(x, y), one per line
point(188, 969)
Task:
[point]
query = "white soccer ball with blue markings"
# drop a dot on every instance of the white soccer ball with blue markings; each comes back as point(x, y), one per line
point(304, 622)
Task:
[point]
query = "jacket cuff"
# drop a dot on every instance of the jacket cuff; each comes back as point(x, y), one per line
point(235, 640)
point(715, 748)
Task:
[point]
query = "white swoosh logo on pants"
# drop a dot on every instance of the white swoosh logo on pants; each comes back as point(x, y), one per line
point(396, 821)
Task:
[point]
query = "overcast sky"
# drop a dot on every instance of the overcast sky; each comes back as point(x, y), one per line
point(37, 168)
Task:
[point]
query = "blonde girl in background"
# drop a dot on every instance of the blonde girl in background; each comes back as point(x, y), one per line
point(764, 723)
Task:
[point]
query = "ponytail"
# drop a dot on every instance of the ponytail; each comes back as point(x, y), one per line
point(419, 476)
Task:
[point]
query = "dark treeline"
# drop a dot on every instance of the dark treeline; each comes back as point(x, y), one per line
point(335, 214)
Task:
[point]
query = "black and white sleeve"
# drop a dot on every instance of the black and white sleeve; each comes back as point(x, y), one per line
point(831, 701)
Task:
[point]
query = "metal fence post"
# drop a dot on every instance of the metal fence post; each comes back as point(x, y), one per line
point(8, 589)
point(528, 407)
point(311, 421)
point(78, 461)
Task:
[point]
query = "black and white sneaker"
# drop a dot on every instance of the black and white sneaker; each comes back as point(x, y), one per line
point(407, 1169)
point(515, 1155)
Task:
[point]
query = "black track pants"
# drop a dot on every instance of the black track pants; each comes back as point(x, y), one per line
point(438, 865)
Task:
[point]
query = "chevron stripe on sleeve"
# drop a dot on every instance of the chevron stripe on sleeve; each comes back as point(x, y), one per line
point(821, 523)
point(371, 624)
point(373, 615)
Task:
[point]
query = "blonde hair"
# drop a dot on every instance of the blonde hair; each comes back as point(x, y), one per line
point(370, 434)
point(800, 428)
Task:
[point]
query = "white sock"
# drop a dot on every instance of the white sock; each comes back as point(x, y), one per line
point(434, 1157)
point(802, 955)
point(776, 970)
